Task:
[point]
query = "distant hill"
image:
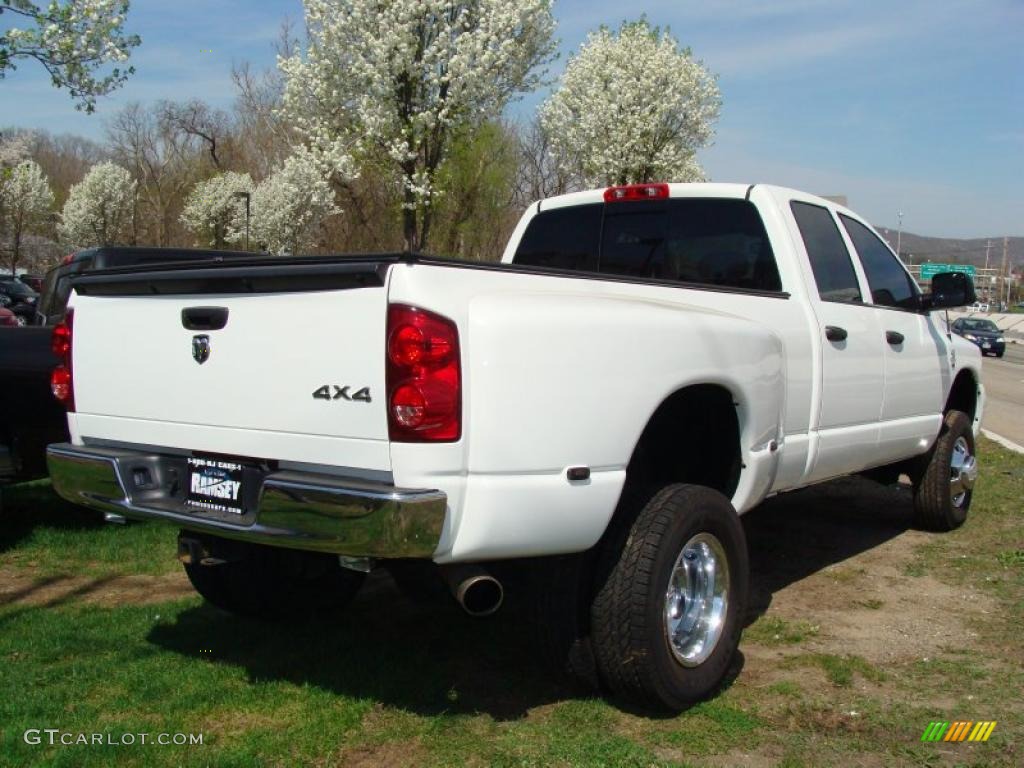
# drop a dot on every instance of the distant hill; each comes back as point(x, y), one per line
point(952, 251)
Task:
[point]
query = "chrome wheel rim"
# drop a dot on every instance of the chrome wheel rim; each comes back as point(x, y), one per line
point(697, 600)
point(963, 471)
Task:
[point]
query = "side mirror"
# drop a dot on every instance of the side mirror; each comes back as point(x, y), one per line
point(951, 289)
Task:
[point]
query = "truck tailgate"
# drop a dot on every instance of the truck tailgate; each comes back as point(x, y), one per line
point(285, 364)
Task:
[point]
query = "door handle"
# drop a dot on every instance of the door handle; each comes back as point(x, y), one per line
point(835, 333)
point(894, 337)
point(204, 318)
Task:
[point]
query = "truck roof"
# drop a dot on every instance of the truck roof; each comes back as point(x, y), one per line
point(677, 189)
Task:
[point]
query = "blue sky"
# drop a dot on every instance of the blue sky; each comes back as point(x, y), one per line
point(913, 105)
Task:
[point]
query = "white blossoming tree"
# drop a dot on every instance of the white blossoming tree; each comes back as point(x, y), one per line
point(289, 206)
point(99, 208)
point(14, 149)
point(632, 107)
point(74, 40)
point(25, 201)
point(398, 77)
point(214, 210)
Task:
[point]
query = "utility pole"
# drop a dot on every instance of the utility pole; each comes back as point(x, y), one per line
point(899, 231)
point(987, 279)
point(1006, 281)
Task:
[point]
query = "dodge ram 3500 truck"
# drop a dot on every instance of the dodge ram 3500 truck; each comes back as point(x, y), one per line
point(648, 363)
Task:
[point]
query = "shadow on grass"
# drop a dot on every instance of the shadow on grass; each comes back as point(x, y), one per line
point(26, 506)
point(29, 594)
point(430, 658)
point(425, 658)
point(794, 535)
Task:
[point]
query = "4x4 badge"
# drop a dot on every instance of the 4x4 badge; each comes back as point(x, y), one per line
point(201, 348)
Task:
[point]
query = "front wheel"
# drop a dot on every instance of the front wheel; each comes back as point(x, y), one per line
point(943, 490)
point(666, 621)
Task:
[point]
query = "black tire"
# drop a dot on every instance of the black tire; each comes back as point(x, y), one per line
point(272, 583)
point(628, 624)
point(936, 507)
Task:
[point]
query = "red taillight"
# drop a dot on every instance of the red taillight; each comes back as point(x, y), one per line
point(636, 192)
point(60, 340)
point(62, 383)
point(424, 377)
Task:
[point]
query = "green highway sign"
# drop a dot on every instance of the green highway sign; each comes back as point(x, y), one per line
point(929, 270)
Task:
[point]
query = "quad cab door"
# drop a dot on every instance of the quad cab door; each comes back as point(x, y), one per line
point(915, 351)
point(851, 391)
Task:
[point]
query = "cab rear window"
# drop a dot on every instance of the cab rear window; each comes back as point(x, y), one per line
point(698, 241)
point(566, 238)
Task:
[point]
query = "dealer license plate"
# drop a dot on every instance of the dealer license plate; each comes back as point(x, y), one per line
point(986, 345)
point(216, 485)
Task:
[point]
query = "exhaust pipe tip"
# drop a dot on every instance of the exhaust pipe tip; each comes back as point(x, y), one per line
point(480, 595)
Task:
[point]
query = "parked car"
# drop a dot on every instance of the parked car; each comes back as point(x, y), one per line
point(22, 299)
point(35, 282)
point(982, 333)
point(648, 363)
point(57, 284)
point(978, 307)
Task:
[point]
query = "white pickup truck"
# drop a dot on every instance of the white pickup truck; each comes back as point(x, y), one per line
point(645, 365)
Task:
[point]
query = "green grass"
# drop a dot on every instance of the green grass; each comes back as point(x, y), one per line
point(771, 630)
point(1011, 558)
point(839, 670)
point(392, 683)
point(52, 537)
point(872, 604)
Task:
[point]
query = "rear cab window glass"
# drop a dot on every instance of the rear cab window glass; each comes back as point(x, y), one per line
point(562, 238)
point(889, 282)
point(699, 241)
point(830, 261)
point(633, 240)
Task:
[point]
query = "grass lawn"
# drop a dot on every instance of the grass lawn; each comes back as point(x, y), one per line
point(862, 632)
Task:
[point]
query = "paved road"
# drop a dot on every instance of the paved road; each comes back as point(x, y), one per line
point(1004, 388)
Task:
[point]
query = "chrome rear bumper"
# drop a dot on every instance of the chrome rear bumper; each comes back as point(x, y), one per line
point(299, 510)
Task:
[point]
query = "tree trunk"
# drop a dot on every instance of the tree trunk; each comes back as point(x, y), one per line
point(409, 230)
point(16, 250)
point(409, 223)
point(427, 218)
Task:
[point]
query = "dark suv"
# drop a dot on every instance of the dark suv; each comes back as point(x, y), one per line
point(984, 333)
